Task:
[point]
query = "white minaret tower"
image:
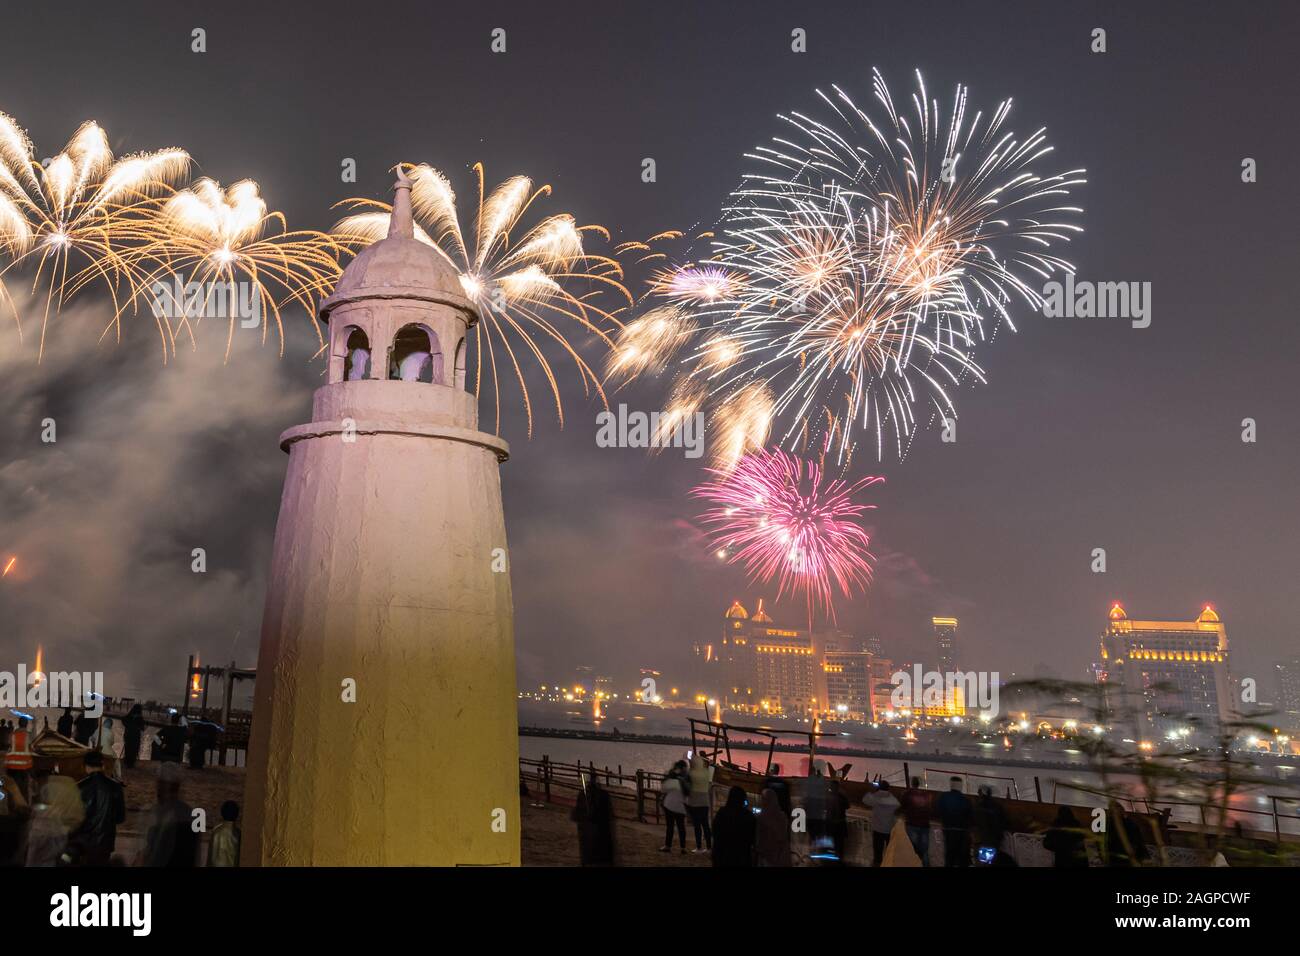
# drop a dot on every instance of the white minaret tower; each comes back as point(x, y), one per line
point(384, 727)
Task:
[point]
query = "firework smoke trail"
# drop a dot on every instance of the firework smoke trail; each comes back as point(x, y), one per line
point(82, 216)
point(859, 268)
point(526, 289)
point(778, 516)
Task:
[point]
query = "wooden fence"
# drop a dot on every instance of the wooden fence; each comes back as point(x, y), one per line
point(634, 795)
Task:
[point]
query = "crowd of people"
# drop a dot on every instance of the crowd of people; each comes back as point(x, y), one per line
point(976, 832)
point(73, 820)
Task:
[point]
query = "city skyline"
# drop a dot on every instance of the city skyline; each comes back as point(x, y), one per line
point(1145, 639)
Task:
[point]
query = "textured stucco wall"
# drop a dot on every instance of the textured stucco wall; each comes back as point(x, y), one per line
point(382, 572)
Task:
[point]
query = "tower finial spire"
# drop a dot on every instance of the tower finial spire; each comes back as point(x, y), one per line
point(399, 224)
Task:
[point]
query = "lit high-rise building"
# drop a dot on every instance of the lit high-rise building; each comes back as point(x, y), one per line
point(761, 667)
point(945, 640)
point(1288, 692)
point(1170, 676)
point(764, 667)
point(846, 670)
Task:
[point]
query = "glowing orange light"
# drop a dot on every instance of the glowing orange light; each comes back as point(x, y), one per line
point(9, 566)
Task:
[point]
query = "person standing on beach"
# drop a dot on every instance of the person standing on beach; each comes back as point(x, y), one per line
point(1065, 841)
point(955, 814)
point(133, 727)
point(674, 790)
point(774, 782)
point(55, 816)
point(884, 805)
point(18, 761)
point(773, 831)
point(916, 818)
point(105, 810)
point(170, 841)
point(83, 727)
point(697, 802)
point(990, 820)
point(223, 848)
point(203, 735)
point(594, 815)
point(170, 741)
point(816, 796)
point(734, 832)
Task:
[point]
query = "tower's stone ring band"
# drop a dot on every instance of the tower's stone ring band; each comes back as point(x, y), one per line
point(469, 436)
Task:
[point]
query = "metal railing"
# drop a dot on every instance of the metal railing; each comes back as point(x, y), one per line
point(1012, 792)
point(1121, 800)
point(1226, 813)
point(1274, 812)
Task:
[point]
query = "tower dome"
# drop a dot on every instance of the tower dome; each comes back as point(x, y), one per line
point(399, 311)
point(400, 266)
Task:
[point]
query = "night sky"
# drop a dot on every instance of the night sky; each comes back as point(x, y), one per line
point(1089, 434)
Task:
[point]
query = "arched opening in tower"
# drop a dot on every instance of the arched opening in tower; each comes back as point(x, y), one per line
point(356, 357)
point(416, 356)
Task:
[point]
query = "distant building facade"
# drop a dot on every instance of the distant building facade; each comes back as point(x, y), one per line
point(945, 643)
point(1169, 677)
point(846, 668)
point(1288, 693)
point(758, 666)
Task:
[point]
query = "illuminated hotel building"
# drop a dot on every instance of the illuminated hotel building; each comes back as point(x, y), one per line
point(764, 668)
point(1167, 674)
point(945, 640)
point(760, 667)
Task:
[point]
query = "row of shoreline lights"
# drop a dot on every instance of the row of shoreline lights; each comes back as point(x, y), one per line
point(578, 693)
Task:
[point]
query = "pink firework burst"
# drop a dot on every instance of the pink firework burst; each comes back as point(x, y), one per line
point(778, 516)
